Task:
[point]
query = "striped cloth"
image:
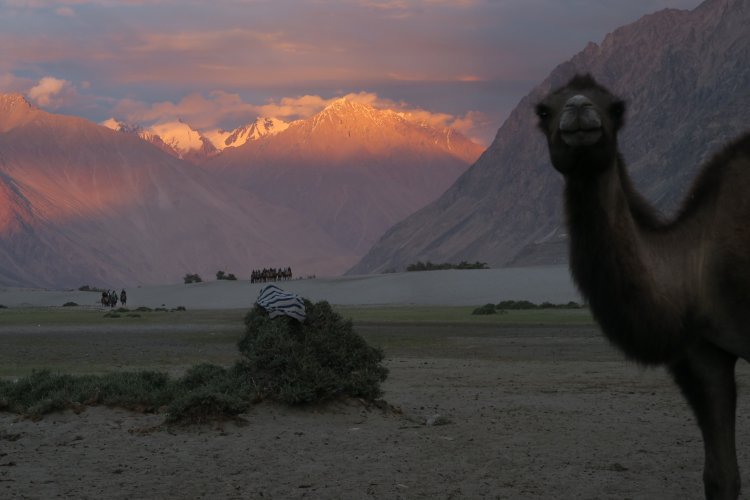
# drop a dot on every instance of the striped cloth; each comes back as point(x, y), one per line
point(278, 302)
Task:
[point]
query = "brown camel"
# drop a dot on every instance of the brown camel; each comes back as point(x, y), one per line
point(665, 292)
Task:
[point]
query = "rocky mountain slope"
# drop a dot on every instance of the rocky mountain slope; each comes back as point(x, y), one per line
point(686, 78)
point(355, 169)
point(82, 204)
point(258, 129)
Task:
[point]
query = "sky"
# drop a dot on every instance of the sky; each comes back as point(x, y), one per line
point(222, 63)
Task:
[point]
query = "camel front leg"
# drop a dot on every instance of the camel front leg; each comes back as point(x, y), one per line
point(706, 377)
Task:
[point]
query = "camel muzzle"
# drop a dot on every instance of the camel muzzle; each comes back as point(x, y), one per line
point(580, 123)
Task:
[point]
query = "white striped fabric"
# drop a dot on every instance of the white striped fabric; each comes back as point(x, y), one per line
point(278, 302)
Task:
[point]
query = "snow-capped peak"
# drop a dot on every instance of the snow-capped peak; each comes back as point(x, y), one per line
point(261, 127)
point(178, 135)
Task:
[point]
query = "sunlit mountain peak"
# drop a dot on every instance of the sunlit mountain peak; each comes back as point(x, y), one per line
point(14, 101)
point(260, 128)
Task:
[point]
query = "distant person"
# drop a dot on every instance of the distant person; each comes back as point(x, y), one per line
point(123, 297)
point(112, 298)
point(105, 299)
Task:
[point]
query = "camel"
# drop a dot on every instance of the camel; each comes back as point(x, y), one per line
point(666, 292)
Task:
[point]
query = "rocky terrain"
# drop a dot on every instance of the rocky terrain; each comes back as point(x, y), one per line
point(83, 204)
point(686, 79)
point(355, 169)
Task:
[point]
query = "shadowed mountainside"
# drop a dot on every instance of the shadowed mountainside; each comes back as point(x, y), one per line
point(686, 78)
point(84, 204)
point(355, 169)
point(81, 204)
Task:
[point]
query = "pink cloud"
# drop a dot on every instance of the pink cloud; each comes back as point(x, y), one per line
point(52, 93)
point(12, 83)
point(209, 113)
point(199, 111)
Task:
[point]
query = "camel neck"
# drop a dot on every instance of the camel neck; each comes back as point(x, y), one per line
point(616, 260)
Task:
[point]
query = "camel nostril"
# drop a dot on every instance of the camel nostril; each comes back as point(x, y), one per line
point(578, 101)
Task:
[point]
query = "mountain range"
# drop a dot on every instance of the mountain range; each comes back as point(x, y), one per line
point(81, 203)
point(685, 76)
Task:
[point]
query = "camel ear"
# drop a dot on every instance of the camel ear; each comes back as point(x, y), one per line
point(617, 112)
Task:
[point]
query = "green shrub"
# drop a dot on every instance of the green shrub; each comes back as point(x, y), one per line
point(70, 304)
point(202, 406)
point(284, 360)
point(144, 309)
point(318, 360)
point(429, 266)
point(192, 278)
point(112, 314)
point(516, 304)
point(44, 392)
point(525, 304)
point(485, 309)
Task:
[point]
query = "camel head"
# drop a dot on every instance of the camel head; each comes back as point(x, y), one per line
point(581, 121)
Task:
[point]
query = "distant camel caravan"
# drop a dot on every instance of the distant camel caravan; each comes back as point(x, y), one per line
point(268, 275)
point(665, 292)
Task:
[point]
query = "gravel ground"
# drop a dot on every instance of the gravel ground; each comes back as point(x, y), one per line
point(477, 412)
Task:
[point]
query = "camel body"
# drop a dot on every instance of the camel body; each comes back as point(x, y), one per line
point(665, 292)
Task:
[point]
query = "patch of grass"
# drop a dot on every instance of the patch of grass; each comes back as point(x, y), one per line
point(43, 392)
point(204, 406)
point(284, 360)
point(70, 304)
point(92, 316)
point(461, 315)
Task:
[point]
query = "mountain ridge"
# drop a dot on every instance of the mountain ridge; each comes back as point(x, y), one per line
point(81, 203)
point(354, 168)
point(686, 88)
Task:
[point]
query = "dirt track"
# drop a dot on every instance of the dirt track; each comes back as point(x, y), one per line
point(525, 412)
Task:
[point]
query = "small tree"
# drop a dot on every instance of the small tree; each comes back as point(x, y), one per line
point(192, 278)
point(221, 275)
point(485, 309)
point(317, 360)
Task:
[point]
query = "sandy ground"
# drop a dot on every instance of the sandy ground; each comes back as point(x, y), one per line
point(514, 412)
point(459, 288)
point(482, 412)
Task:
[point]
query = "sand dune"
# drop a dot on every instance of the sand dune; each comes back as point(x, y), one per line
point(436, 288)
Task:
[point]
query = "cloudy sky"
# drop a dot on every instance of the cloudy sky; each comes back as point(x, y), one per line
point(221, 63)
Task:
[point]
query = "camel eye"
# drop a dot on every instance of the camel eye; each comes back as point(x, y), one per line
point(617, 109)
point(542, 111)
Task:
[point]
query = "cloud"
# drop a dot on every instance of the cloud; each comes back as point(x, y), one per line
point(12, 83)
point(199, 111)
point(224, 110)
point(65, 11)
point(52, 92)
point(215, 40)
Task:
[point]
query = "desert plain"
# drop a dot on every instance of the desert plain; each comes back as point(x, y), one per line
point(527, 404)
